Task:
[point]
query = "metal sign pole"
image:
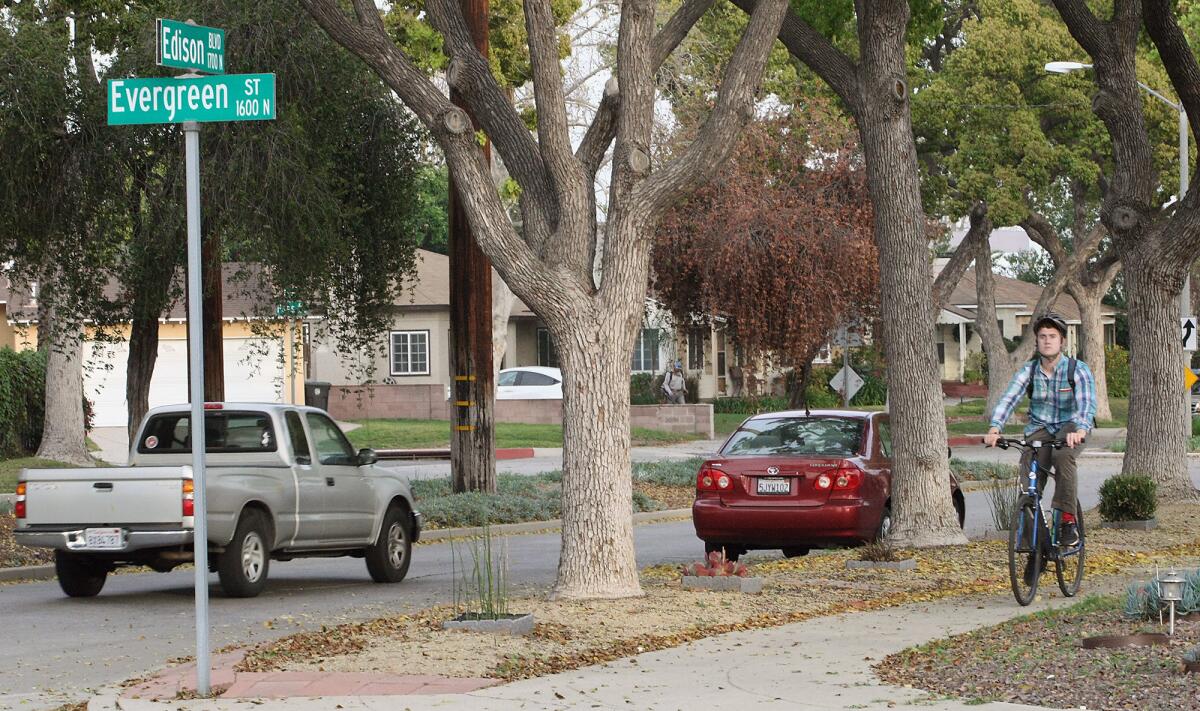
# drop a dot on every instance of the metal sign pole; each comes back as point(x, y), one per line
point(191, 136)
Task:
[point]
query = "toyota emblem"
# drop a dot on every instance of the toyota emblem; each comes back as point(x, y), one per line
point(772, 471)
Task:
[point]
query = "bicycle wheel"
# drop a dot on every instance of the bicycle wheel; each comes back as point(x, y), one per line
point(1069, 566)
point(1024, 551)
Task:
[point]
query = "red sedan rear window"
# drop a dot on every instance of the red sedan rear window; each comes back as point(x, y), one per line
point(820, 436)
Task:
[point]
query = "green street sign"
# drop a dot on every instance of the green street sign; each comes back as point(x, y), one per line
point(232, 97)
point(185, 46)
point(290, 308)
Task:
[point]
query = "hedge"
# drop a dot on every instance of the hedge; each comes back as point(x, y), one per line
point(22, 401)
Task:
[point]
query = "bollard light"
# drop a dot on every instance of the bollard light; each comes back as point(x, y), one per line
point(1170, 589)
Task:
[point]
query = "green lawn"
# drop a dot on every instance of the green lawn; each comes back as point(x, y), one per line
point(10, 467)
point(425, 434)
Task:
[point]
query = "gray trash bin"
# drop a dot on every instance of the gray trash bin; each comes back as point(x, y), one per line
point(316, 394)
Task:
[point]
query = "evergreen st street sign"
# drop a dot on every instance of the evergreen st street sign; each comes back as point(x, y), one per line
point(185, 46)
point(232, 97)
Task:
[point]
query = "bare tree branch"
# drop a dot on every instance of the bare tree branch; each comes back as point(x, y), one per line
point(735, 106)
point(600, 134)
point(1043, 233)
point(368, 15)
point(816, 51)
point(1085, 27)
point(1177, 57)
point(952, 273)
point(554, 139)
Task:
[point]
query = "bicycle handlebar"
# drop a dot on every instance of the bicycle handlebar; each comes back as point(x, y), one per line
point(1006, 442)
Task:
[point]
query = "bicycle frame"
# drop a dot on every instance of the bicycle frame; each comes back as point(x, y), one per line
point(1053, 552)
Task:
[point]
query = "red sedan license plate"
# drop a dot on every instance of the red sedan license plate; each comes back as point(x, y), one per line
point(774, 485)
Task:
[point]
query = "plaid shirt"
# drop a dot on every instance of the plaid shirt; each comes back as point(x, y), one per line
point(1053, 404)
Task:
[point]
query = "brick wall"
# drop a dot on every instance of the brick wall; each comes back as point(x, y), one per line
point(407, 402)
point(428, 402)
point(691, 419)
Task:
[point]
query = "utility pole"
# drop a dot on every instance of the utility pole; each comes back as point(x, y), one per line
point(473, 392)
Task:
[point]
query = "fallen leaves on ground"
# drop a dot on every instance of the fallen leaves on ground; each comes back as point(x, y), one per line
point(1040, 660)
point(13, 555)
point(573, 634)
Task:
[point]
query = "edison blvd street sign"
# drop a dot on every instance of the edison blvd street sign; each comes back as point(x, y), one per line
point(182, 45)
point(231, 97)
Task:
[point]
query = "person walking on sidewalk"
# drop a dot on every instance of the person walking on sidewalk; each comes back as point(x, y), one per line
point(675, 385)
point(1062, 405)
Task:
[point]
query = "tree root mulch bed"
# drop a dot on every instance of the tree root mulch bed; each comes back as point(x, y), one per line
point(1039, 659)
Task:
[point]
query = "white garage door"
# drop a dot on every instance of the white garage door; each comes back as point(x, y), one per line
point(253, 373)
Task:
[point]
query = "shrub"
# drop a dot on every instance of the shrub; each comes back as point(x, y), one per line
point(975, 369)
point(1143, 601)
point(1128, 497)
point(716, 566)
point(22, 401)
point(1002, 500)
point(878, 552)
point(749, 405)
point(1116, 371)
point(643, 390)
point(668, 473)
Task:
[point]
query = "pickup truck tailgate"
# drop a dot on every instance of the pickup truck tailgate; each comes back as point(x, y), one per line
point(104, 496)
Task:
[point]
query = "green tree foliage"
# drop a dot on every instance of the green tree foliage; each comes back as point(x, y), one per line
point(993, 125)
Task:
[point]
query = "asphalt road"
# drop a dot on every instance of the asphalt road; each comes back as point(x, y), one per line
point(59, 649)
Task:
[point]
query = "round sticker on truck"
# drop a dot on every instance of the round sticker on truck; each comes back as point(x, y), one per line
point(151, 442)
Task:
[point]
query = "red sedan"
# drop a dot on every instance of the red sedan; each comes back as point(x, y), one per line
point(799, 480)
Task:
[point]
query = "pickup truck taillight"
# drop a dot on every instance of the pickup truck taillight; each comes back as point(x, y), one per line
point(189, 502)
point(19, 509)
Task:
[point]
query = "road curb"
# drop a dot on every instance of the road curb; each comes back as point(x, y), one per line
point(503, 529)
point(27, 572)
point(46, 572)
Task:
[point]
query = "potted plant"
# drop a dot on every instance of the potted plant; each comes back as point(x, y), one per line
point(881, 555)
point(481, 590)
point(1128, 501)
point(717, 573)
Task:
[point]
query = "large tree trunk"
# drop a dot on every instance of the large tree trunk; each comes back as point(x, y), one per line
point(921, 505)
point(1159, 423)
point(139, 369)
point(1091, 343)
point(597, 559)
point(63, 435)
point(1002, 365)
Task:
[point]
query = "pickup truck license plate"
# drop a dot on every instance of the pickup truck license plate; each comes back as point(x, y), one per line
point(774, 485)
point(104, 538)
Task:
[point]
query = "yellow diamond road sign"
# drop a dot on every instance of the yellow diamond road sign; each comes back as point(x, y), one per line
point(1189, 378)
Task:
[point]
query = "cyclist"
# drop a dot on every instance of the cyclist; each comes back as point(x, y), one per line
point(1062, 405)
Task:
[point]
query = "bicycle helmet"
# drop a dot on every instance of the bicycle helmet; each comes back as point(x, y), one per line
point(1053, 320)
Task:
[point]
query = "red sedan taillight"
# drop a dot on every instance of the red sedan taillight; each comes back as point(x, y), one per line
point(846, 481)
point(710, 479)
point(19, 509)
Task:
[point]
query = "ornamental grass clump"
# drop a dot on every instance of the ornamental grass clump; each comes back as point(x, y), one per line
point(878, 552)
point(716, 566)
point(1128, 497)
point(1143, 601)
point(1002, 502)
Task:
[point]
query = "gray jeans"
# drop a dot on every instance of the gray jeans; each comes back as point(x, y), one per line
point(676, 398)
point(1063, 461)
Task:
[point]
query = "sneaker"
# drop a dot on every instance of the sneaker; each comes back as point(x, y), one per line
point(1068, 535)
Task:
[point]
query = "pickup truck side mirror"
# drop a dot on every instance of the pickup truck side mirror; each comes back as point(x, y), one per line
point(367, 456)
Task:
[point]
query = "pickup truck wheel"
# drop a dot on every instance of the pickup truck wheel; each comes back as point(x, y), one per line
point(242, 568)
point(388, 557)
point(77, 577)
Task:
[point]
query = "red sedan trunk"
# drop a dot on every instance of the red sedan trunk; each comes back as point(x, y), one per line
point(795, 481)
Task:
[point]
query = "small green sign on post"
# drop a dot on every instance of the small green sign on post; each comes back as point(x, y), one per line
point(232, 97)
point(186, 46)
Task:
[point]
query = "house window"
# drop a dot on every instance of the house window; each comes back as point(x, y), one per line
point(410, 352)
point(1000, 327)
point(696, 338)
point(941, 353)
point(645, 351)
point(547, 356)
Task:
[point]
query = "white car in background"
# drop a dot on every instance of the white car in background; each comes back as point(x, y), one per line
point(529, 382)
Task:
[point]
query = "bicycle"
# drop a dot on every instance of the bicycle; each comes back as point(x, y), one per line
point(1029, 541)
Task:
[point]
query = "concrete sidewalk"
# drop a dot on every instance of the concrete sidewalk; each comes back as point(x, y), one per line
point(823, 663)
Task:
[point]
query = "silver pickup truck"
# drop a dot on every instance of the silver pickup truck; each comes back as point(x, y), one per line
point(282, 482)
